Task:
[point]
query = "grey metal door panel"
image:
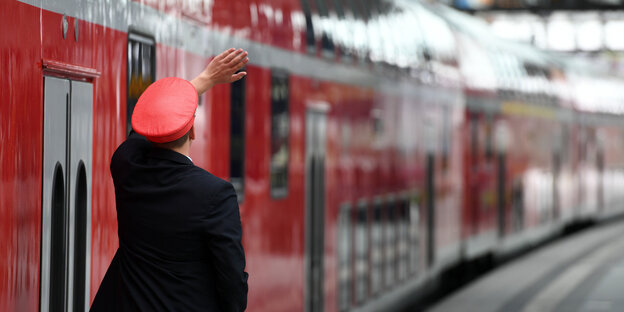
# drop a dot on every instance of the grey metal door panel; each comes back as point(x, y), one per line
point(56, 101)
point(80, 152)
point(66, 195)
point(315, 208)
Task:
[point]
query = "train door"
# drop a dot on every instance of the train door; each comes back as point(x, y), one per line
point(66, 197)
point(316, 124)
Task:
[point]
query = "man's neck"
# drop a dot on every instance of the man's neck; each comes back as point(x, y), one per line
point(184, 149)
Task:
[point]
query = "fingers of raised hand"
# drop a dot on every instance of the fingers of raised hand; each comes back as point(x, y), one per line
point(238, 76)
point(230, 56)
point(241, 64)
point(239, 58)
point(224, 54)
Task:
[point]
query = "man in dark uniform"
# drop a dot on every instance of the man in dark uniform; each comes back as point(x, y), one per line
point(179, 226)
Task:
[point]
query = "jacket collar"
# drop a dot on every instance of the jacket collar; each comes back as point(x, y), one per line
point(167, 154)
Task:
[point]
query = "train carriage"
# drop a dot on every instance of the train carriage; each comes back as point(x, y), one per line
point(372, 145)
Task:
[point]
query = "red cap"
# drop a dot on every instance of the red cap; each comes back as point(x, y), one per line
point(166, 110)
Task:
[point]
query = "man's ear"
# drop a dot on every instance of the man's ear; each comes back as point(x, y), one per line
point(192, 133)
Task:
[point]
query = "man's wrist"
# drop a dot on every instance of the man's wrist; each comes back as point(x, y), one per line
point(202, 84)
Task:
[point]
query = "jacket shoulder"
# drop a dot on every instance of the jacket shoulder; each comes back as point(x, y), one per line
point(211, 186)
point(132, 148)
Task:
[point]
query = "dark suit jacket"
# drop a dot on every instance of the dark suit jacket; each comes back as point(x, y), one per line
point(179, 236)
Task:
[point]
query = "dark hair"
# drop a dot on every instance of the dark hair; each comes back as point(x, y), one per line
point(174, 144)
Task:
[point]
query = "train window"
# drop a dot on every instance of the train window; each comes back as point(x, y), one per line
point(58, 259)
point(358, 30)
point(141, 70)
point(342, 34)
point(447, 133)
point(344, 258)
point(237, 136)
point(310, 37)
point(279, 133)
point(439, 38)
point(390, 243)
point(489, 144)
point(414, 221)
point(403, 237)
point(377, 247)
point(80, 238)
point(80, 235)
point(327, 44)
point(474, 138)
point(564, 140)
point(361, 252)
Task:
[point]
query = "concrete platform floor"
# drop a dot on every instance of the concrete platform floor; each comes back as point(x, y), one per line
point(581, 272)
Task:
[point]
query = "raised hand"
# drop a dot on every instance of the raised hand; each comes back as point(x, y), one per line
point(222, 69)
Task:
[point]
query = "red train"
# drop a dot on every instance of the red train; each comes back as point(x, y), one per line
point(373, 144)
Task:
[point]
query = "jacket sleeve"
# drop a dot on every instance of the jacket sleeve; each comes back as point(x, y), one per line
point(130, 148)
point(223, 234)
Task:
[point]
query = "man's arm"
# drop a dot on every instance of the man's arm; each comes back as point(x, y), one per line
point(222, 69)
point(223, 237)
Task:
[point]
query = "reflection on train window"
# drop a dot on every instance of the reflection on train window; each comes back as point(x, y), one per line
point(390, 242)
point(237, 136)
point(141, 70)
point(361, 252)
point(279, 133)
point(377, 248)
point(344, 258)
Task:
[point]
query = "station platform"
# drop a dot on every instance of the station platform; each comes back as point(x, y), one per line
point(580, 272)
